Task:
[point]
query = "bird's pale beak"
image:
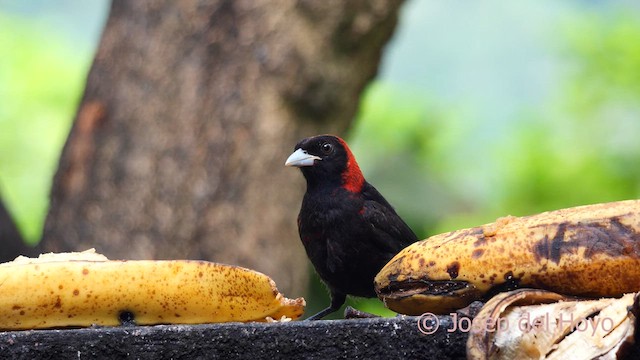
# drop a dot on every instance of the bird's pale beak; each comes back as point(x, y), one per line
point(301, 158)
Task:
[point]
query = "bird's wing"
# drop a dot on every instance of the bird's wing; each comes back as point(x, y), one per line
point(391, 233)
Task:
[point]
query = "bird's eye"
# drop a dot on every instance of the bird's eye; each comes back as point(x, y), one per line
point(326, 148)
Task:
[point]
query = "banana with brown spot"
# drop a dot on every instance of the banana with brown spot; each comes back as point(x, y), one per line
point(589, 251)
point(84, 289)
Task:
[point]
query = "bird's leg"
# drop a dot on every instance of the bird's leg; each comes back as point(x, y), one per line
point(337, 299)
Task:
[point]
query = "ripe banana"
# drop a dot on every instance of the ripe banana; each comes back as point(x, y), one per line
point(587, 251)
point(84, 289)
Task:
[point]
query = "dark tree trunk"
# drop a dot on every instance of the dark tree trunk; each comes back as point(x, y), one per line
point(191, 108)
point(11, 241)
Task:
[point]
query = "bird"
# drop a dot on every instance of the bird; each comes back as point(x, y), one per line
point(348, 229)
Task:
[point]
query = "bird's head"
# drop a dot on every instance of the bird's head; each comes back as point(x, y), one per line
point(327, 160)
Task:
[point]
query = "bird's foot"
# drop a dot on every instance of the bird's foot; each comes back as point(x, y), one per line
point(351, 313)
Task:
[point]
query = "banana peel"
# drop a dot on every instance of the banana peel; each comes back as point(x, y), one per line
point(533, 324)
point(85, 289)
point(589, 251)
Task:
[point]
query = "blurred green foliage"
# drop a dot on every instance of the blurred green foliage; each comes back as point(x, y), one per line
point(579, 149)
point(583, 148)
point(41, 78)
point(608, 57)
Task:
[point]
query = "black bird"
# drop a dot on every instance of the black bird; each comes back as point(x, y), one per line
point(347, 228)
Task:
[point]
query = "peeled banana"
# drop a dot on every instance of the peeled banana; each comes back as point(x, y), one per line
point(529, 324)
point(587, 251)
point(84, 289)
